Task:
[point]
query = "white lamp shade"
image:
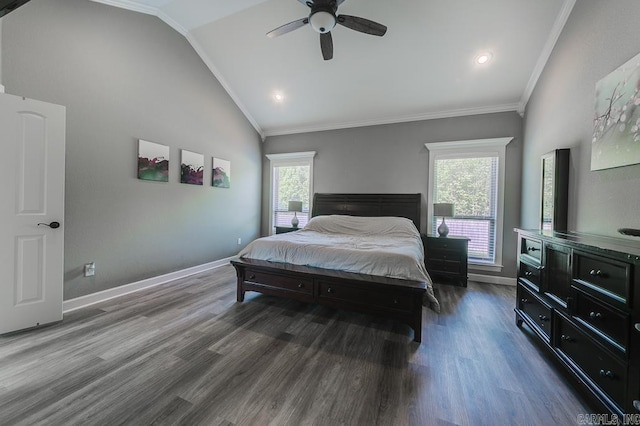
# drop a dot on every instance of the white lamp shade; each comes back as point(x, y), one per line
point(295, 206)
point(322, 21)
point(443, 210)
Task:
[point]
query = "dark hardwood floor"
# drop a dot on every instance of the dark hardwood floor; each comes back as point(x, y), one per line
point(187, 353)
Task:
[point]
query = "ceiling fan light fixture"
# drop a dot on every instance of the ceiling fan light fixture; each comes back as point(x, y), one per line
point(322, 22)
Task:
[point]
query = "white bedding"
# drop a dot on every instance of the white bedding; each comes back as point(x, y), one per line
point(383, 246)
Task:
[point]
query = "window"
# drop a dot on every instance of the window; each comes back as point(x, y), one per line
point(470, 174)
point(291, 180)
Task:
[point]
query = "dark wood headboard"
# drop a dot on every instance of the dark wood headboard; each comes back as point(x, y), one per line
point(400, 205)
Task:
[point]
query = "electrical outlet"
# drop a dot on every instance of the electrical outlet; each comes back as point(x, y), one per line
point(90, 269)
point(239, 241)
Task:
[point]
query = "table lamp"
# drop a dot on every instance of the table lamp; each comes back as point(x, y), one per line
point(444, 210)
point(295, 206)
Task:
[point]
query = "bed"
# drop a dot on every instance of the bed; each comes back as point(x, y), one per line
point(359, 285)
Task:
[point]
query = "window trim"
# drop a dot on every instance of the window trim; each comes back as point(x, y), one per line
point(470, 148)
point(289, 159)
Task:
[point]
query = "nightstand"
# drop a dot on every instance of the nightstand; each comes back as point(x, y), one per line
point(446, 259)
point(285, 229)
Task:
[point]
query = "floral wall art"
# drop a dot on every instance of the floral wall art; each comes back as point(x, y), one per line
point(153, 161)
point(616, 132)
point(191, 167)
point(221, 176)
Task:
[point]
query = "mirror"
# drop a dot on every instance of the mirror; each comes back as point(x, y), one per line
point(555, 190)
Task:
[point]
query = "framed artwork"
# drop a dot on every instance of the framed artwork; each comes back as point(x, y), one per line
point(616, 130)
point(191, 167)
point(221, 175)
point(153, 161)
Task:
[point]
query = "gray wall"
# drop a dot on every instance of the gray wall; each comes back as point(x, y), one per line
point(393, 159)
point(598, 37)
point(124, 76)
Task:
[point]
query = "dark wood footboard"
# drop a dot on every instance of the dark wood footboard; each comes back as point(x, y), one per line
point(389, 297)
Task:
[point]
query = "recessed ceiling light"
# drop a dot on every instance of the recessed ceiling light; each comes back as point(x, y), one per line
point(483, 58)
point(278, 97)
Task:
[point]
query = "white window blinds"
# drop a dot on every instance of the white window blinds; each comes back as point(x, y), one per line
point(290, 183)
point(471, 184)
point(291, 180)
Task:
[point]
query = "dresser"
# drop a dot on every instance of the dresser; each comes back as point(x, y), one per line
point(580, 295)
point(446, 259)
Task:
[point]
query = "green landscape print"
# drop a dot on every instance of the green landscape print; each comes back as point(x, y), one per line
point(221, 176)
point(153, 161)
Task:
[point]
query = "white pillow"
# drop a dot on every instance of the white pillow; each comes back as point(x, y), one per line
point(359, 225)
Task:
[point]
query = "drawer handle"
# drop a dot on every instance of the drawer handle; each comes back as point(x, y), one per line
point(637, 326)
point(596, 273)
point(528, 273)
point(252, 276)
point(301, 285)
point(636, 404)
point(524, 300)
point(540, 268)
point(565, 338)
point(608, 374)
point(329, 290)
point(595, 315)
point(543, 318)
point(533, 249)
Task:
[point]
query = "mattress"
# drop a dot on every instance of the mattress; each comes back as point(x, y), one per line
point(382, 246)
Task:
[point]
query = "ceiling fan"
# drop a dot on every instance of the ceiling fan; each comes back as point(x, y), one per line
point(323, 18)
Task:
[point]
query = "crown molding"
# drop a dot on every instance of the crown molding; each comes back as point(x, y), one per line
point(393, 120)
point(218, 75)
point(130, 5)
point(172, 22)
point(558, 26)
point(149, 10)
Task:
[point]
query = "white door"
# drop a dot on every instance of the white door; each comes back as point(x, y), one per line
point(32, 139)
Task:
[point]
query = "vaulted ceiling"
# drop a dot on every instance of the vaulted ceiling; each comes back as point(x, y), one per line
point(423, 67)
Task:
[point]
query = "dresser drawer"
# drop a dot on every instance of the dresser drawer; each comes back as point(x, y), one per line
point(609, 374)
point(530, 273)
point(287, 283)
point(538, 312)
point(328, 290)
point(532, 248)
point(610, 322)
point(602, 277)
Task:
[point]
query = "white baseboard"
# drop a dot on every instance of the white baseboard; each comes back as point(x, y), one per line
point(492, 279)
point(102, 296)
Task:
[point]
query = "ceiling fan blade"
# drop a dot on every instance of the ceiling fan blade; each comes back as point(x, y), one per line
point(362, 25)
point(326, 44)
point(287, 28)
point(307, 2)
